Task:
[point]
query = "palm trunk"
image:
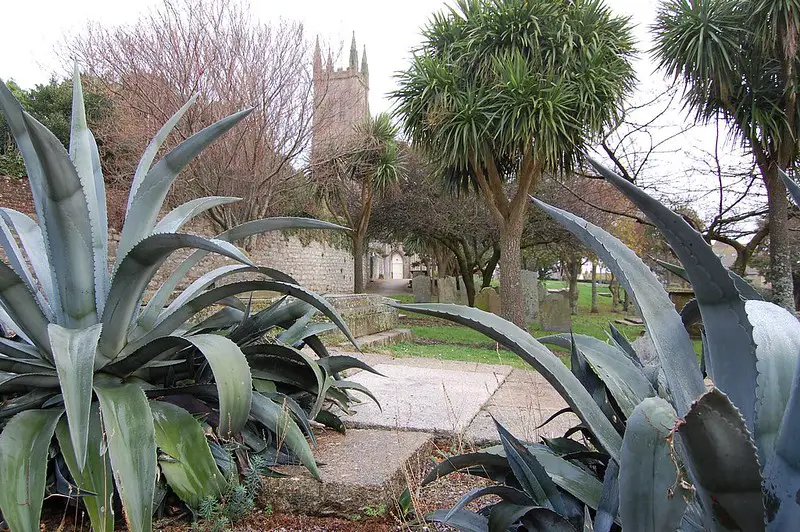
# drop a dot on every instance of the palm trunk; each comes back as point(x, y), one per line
point(595, 307)
point(513, 304)
point(358, 263)
point(780, 266)
point(573, 268)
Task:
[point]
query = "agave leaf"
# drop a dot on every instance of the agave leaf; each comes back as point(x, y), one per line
point(506, 493)
point(588, 378)
point(128, 426)
point(337, 364)
point(530, 473)
point(30, 236)
point(24, 443)
point(124, 366)
point(301, 335)
point(609, 502)
point(17, 349)
point(17, 262)
point(277, 419)
point(649, 495)
point(463, 520)
point(535, 354)
point(791, 186)
point(22, 308)
point(282, 314)
point(732, 356)
point(291, 335)
point(95, 476)
point(625, 381)
point(722, 460)
point(191, 470)
point(232, 378)
point(69, 230)
point(83, 152)
point(15, 119)
point(672, 344)
point(239, 232)
point(26, 381)
point(776, 334)
point(74, 355)
point(299, 414)
point(177, 217)
point(745, 289)
point(690, 313)
point(544, 519)
point(224, 318)
point(148, 198)
point(22, 365)
point(618, 338)
point(29, 401)
point(352, 385)
point(132, 277)
point(782, 471)
point(149, 155)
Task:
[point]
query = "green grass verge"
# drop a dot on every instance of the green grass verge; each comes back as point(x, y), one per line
point(436, 338)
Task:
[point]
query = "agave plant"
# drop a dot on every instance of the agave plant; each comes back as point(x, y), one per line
point(130, 388)
point(663, 450)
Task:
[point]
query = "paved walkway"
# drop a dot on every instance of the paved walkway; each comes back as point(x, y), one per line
point(459, 399)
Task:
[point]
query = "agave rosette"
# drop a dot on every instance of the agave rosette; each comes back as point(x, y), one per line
point(133, 388)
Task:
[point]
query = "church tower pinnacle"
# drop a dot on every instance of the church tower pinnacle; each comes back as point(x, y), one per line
point(364, 67)
point(353, 54)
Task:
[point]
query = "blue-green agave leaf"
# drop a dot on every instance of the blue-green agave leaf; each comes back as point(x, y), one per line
point(745, 289)
point(232, 378)
point(22, 309)
point(148, 198)
point(791, 186)
point(178, 216)
point(650, 497)
point(722, 461)
point(83, 152)
point(731, 356)
point(128, 426)
point(624, 380)
point(74, 357)
point(133, 275)
point(462, 520)
point(16, 260)
point(670, 339)
point(239, 232)
point(95, 476)
point(24, 444)
point(278, 419)
point(507, 493)
point(30, 236)
point(609, 502)
point(538, 356)
point(69, 230)
point(190, 469)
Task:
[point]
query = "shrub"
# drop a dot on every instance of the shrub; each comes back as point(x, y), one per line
point(663, 451)
point(144, 391)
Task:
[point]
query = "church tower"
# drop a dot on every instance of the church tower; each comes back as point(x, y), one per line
point(341, 99)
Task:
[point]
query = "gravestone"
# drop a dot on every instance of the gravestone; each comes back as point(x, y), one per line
point(447, 290)
point(421, 286)
point(530, 294)
point(555, 313)
point(461, 292)
point(489, 300)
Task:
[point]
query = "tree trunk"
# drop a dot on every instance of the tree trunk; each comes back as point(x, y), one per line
point(465, 270)
point(491, 265)
point(614, 289)
point(780, 266)
point(595, 307)
point(573, 269)
point(358, 264)
point(625, 301)
point(513, 304)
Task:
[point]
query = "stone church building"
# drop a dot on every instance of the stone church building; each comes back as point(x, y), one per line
point(341, 100)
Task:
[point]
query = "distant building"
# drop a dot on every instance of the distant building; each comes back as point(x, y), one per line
point(341, 100)
point(727, 255)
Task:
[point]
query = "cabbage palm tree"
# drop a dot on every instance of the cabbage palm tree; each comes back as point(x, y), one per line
point(738, 59)
point(351, 176)
point(503, 91)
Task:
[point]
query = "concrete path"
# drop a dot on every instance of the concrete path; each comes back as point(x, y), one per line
point(459, 399)
point(422, 399)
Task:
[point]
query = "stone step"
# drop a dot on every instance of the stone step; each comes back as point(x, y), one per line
point(363, 471)
point(382, 339)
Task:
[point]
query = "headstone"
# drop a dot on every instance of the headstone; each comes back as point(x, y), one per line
point(461, 292)
point(489, 300)
point(542, 290)
point(447, 290)
point(555, 312)
point(421, 286)
point(530, 294)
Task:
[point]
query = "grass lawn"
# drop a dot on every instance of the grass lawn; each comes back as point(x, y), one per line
point(436, 338)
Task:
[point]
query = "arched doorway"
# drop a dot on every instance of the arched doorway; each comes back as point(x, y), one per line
point(397, 266)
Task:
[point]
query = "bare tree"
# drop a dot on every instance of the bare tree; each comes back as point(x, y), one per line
point(213, 49)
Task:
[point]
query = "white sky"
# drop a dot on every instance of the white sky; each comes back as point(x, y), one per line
point(32, 31)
